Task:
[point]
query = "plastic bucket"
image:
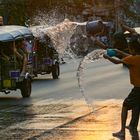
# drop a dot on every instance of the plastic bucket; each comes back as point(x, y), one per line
point(94, 27)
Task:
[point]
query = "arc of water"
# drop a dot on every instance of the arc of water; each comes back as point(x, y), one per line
point(60, 35)
point(91, 57)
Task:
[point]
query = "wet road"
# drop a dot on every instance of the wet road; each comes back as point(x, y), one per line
point(58, 110)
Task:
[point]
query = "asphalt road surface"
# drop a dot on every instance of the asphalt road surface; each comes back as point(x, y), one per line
point(57, 109)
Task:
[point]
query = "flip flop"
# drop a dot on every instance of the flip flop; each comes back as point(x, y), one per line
point(118, 134)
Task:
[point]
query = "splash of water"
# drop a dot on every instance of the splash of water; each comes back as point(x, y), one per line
point(50, 18)
point(60, 34)
point(89, 58)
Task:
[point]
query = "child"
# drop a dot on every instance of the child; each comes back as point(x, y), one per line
point(133, 99)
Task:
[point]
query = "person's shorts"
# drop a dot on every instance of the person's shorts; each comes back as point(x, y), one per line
point(133, 98)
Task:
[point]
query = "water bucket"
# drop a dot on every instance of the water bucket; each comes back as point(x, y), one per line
point(94, 27)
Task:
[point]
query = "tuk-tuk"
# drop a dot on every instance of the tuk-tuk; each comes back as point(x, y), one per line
point(46, 58)
point(14, 62)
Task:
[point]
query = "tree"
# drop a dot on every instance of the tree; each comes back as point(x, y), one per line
point(128, 7)
point(13, 11)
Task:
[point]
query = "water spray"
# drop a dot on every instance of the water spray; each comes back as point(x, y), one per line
point(91, 57)
point(60, 35)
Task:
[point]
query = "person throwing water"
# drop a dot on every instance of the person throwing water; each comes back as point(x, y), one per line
point(132, 102)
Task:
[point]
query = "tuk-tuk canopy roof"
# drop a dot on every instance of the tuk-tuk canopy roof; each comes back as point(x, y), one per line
point(14, 32)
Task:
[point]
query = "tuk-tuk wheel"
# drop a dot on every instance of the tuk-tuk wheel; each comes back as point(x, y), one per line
point(26, 88)
point(55, 71)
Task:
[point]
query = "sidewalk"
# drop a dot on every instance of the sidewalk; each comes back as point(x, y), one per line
point(97, 125)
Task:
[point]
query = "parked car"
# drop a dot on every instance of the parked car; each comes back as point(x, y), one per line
point(14, 64)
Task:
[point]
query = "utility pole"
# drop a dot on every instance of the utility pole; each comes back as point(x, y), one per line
point(94, 10)
point(117, 13)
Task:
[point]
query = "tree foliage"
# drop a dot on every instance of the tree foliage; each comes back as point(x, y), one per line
point(130, 10)
point(18, 11)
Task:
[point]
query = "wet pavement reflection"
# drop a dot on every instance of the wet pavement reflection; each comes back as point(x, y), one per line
point(97, 125)
point(63, 122)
